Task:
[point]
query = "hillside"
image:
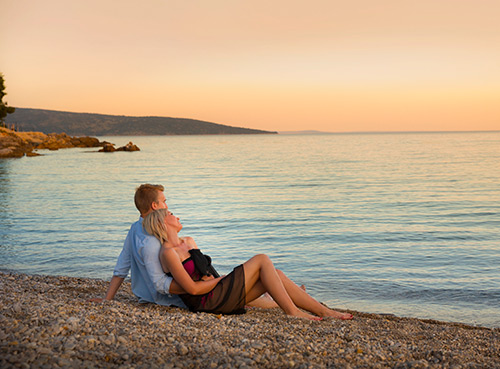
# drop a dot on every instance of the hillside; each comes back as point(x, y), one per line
point(81, 124)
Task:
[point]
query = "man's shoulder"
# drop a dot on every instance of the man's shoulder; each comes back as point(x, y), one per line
point(135, 227)
point(141, 237)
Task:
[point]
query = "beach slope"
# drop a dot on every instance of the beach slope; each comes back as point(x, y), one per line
point(47, 321)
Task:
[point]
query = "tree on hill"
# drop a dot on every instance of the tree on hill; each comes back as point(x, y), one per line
point(4, 109)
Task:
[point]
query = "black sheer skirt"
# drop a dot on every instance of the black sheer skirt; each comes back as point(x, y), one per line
point(228, 296)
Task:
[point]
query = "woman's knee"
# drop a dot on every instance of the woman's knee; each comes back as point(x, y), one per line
point(262, 258)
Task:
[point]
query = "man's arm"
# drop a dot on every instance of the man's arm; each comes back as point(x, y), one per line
point(175, 288)
point(121, 270)
point(114, 286)
point(151, 256)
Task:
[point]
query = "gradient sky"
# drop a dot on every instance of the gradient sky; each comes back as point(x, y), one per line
point(359, 65)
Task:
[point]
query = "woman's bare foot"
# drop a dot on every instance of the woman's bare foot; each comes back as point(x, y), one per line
point(301, 314)
point(302, 287)
point(337, 315)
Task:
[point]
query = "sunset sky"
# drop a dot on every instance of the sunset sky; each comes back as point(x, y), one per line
point(328, 65)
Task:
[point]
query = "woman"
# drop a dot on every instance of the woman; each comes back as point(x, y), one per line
point(181, 259)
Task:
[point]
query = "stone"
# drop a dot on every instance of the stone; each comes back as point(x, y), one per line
point(108, 147)
point(182, 350)
point(129, 147)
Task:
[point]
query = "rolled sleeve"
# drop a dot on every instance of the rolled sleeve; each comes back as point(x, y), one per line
point(151, 256)
point(123, 263)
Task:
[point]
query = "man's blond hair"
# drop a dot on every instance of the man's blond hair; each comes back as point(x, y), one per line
point(145, 195)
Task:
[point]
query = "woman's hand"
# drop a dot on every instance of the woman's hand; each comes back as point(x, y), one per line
point(171, 261)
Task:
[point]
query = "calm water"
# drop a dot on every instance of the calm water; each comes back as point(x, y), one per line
point(393, 223)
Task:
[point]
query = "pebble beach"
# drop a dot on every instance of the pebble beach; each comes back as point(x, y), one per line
point(48, 322)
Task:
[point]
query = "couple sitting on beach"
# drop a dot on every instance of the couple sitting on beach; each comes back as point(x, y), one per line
point(170, 270)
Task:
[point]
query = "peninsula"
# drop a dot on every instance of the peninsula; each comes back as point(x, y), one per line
point(86, 124)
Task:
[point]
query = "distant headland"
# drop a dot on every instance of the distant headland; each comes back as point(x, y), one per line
point(87, 124)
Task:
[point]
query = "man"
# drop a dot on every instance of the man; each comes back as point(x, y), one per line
point(140, 255)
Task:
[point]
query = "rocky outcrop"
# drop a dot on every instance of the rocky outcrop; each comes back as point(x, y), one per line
point(13, 146)
point(109, 147)
point(17, 144)
point(56, 141)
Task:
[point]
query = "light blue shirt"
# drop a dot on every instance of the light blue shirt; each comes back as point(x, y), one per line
point(141, 255)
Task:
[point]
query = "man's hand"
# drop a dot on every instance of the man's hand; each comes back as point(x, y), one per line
point(96, 299)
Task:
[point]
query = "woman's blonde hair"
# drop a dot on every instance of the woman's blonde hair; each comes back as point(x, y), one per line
point(154, 224)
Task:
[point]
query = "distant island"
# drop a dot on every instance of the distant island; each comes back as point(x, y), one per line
point(87, 124)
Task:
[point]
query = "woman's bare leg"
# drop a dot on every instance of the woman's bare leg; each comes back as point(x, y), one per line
point(302, 299)
point(261, 276)
point(263, 301)
point(255, 293)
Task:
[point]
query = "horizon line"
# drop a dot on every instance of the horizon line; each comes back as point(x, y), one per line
point(312, 132)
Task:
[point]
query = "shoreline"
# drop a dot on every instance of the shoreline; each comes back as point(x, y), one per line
point(48, 321)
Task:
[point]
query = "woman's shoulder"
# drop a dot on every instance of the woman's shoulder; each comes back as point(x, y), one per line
point(167, 246)
point(190, 242)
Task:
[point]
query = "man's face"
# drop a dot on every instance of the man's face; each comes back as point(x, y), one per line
point(160, 203)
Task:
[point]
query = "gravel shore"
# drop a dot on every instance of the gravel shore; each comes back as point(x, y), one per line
point(47, 322)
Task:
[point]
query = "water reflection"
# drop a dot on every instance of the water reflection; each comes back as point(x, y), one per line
point(352, 217)
point(6, 224)
point(4, 179)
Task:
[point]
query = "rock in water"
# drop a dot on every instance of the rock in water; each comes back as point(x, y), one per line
point(109, 147)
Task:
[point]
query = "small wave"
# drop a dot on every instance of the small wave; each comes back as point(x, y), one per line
point(445, 296)
point(471, 214)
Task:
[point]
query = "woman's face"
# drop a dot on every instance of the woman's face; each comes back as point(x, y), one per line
point(172, 221)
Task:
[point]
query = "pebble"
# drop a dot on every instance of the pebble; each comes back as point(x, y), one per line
point(48, 322)
point(182, 350)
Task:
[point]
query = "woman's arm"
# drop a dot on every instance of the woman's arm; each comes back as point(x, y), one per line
point(170, 259)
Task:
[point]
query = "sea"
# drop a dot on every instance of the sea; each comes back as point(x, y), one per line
point(390, 223)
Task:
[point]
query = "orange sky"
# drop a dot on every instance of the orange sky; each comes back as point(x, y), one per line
point(361, 65)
